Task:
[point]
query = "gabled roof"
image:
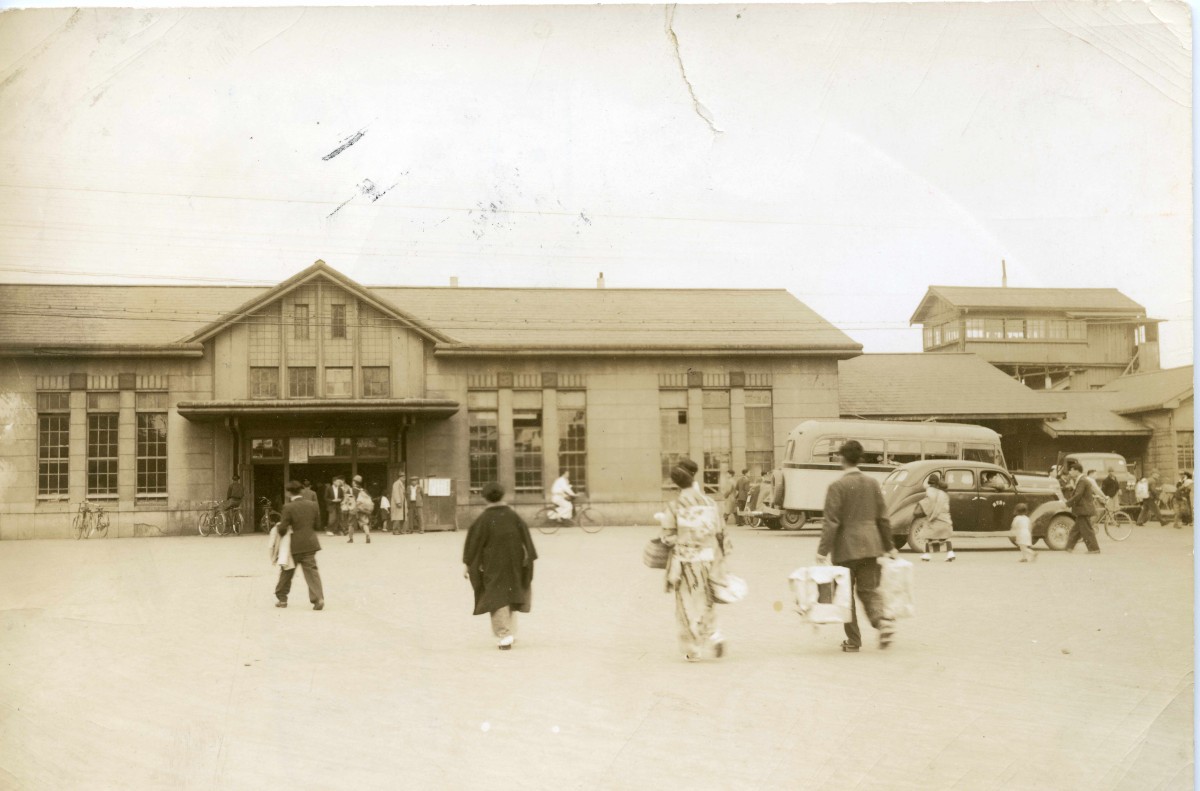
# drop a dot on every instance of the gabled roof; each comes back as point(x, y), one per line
point(1145, 392)
point(458, 320)
point(1106, 301)
point(1089, 413)
point(318, 271)
point(943, 386)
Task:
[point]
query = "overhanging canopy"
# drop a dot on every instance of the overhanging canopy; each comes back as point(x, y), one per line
point(331, 407)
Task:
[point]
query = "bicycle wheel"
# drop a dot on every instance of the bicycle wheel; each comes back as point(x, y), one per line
point(543, 522)
point(102, 525)
point(219, 525)
point(235, 522)
point(589, 520)
point(78, 525)
point(1118, 526)
point(205, 524)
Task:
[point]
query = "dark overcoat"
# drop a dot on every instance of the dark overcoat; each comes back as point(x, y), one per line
point(856, 524)
point(300, 518)
point(499, 557)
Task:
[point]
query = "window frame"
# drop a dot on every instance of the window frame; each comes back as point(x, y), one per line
point(53, 466)
point(572, 451)
point(301, 321)
point(255, 390)
point(386, 381)
point(348, 390)
point(292, 370)
point(337, 321)
point(143, 459)
point(110, 460)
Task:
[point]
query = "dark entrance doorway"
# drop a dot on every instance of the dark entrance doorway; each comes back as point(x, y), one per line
point(320, 476)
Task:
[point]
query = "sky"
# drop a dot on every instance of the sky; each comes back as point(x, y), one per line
point(852, 154)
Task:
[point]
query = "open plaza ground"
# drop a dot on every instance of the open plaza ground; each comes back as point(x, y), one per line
point(162, 663)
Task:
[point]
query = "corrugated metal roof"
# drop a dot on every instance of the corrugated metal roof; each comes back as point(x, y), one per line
point(934, 386)
point(1089, 412)
point(1101, 300)
point(62, 315)
point(1151, 390)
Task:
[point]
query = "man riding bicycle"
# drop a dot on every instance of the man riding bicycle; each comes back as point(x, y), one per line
point(561, 495)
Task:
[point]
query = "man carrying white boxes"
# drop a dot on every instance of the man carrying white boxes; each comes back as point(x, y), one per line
point(856, 534)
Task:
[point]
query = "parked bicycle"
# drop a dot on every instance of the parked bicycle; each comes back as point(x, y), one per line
point(270, 517)
point(89, 519)
point(583, 515)
point(217, 520)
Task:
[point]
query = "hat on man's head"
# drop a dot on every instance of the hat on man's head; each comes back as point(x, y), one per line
point(293, 487)
point(357, 479)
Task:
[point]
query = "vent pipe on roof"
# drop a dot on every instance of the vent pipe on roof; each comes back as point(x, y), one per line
point(600, 281)
point(1003, 274)
point(454, 281)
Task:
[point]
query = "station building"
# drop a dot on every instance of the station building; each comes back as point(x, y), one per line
point(150, 398)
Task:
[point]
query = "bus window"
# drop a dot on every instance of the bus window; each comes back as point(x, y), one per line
point(872, 451)
point(789, 453)
point(960, 480)
point(988, 453)
point(826, 449)
point(940, 450)
point(902, 451)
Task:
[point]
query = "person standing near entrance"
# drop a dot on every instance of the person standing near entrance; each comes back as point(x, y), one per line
point(1083, 508)
point(334, 493)
point(299, 517)
point(361, 514)
point(857, 532)
point(742, 494)
point(399, 502)
point(416, 503)
point(498, 559)
point(234, 494)
point(307, 491)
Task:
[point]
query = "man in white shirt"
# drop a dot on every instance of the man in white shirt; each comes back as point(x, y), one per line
point(561, 494)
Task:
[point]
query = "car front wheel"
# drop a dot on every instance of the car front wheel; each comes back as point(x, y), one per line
point(793, 520)
point(1058, 531)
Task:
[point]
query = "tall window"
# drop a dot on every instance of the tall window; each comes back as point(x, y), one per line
point(102, 445)
point(377, 381)
point(760, 431)
point(337, 321)
point(300, 320)
point(572, 436)
point(302, 382)
point(950, 332)
point(718, 437)
point(1035, 329)
point(151, 444)
point(1185, 446)
point(264, 382)
point(527, 440)
point(974, 329)
point(483, 438)
point(339, 382)
point(672, 430)
point(54, 434)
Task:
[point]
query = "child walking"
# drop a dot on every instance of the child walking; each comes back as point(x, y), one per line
point(1023, 533)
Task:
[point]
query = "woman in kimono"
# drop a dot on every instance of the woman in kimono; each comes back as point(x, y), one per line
point(498, 558)
point(692, 527)
point(936, 510)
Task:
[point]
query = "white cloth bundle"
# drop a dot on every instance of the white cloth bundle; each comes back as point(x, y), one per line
point(281, 549)
point(896, 587)
point(822, 593)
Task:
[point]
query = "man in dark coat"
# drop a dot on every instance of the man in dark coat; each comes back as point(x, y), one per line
point(741, 493)
point(857, 532)
point(499, 556)
point(1083, 508)
point(299, 517)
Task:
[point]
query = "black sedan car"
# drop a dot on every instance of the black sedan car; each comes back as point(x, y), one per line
point(983, 498)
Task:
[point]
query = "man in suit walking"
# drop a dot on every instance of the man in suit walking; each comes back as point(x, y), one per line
point(334, 493)
point(741, 494)
point(857, 532)
point(299, 517)
point(1083, 508)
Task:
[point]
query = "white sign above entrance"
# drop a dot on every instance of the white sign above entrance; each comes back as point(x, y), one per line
point(320, 446)
point(298, 451)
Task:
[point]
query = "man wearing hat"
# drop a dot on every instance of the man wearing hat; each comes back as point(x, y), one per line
point(299, 517)
point(361, 514)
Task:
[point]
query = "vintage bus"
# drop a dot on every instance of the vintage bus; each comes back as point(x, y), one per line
point(811, 461)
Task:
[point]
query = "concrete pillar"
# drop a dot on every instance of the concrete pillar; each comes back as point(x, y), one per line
point(696, 425)
point(505, 462)
point(550, 468)
point(126, 449)
point(77, 470)
point(737, 426)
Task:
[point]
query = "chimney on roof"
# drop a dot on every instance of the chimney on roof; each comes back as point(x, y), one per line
point(454, 281)
point(1003, 274)
point(600, 281)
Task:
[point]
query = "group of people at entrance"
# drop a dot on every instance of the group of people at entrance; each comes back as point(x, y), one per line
point(354, 506)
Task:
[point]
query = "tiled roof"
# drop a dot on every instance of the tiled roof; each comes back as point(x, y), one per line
point(1066, 300)
point(637, 319)
point(1089, 412)
point(1152, 390)
point(934, 386)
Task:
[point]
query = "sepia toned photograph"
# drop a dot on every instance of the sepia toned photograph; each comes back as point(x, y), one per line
point(824, 369)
